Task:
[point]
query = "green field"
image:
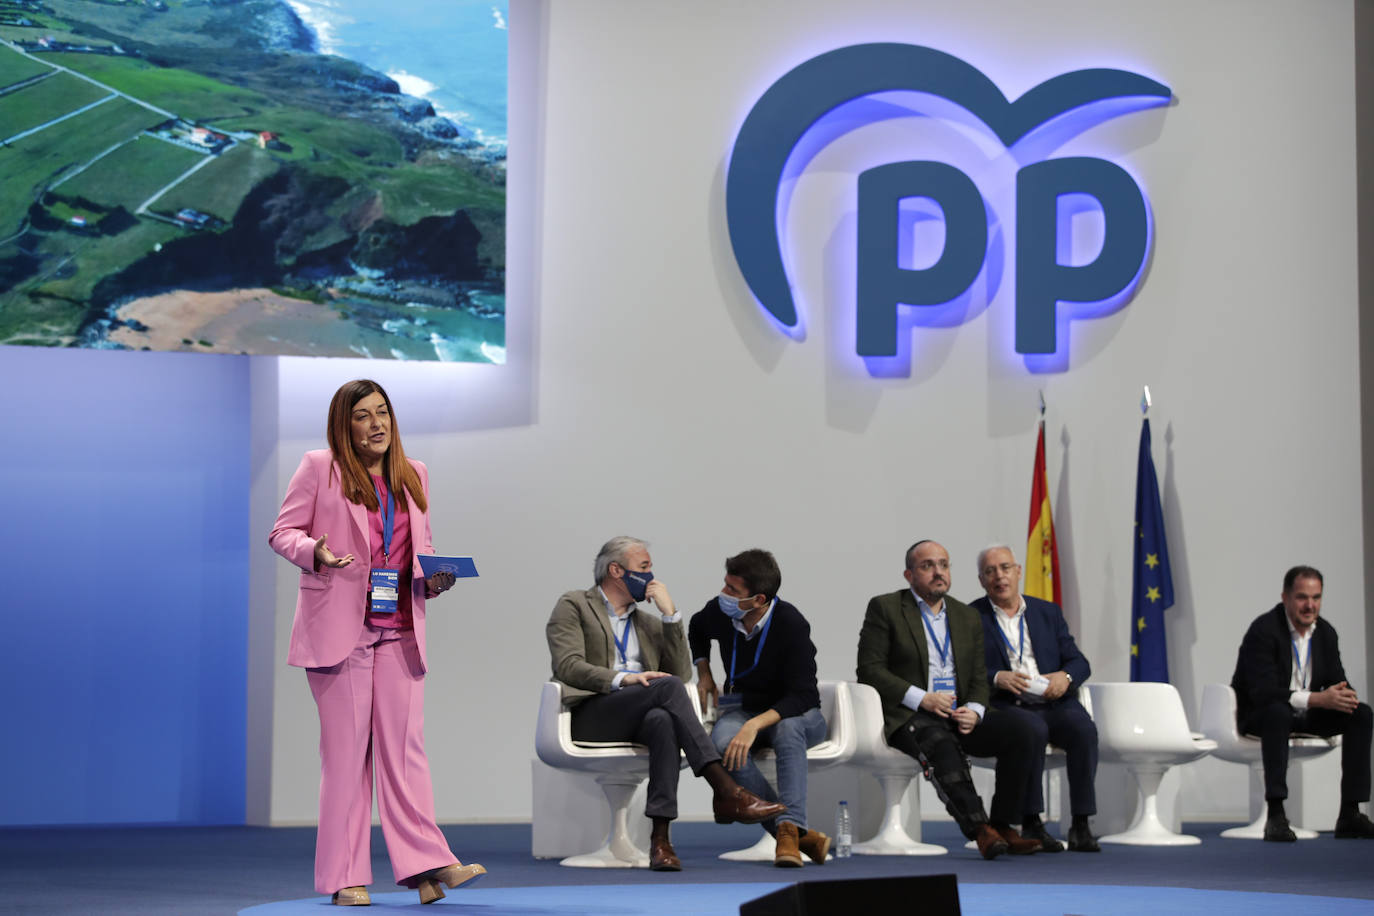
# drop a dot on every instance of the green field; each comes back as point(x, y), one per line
point(351, 148)
point(99, 257)
point(131, 174)
point(36, 160)
point(220, 187)
point(369, 157)
point(186, 94)
point(41, 102)
point(15, 67)
point(24, 321)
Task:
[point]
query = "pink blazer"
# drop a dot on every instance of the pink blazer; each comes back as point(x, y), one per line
point(331, 603)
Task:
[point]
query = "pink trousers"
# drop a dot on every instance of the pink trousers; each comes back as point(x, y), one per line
point(372, 712)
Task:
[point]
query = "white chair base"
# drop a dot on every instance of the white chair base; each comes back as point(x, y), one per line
point(1147, 829)
point(1255, 830)
point(618, 851)
point(892, 838)
point(762, 851)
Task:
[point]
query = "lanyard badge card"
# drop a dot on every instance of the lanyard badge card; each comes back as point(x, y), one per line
point(385, 582)
point(941, 684)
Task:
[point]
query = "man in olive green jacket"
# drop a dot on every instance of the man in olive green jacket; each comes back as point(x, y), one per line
point(923, 652)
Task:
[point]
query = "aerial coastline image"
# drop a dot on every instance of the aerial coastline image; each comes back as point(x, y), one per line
point(302, 177)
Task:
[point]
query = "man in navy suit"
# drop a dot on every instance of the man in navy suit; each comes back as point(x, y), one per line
point(1289, 678)
point(1035, 669)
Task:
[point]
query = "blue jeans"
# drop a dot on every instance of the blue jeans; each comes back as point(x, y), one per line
point(789, 740)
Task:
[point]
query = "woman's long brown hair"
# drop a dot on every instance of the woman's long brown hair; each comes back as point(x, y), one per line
point(355, 481)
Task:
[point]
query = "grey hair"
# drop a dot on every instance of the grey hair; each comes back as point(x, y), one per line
point(613, 551)
point(982, 554)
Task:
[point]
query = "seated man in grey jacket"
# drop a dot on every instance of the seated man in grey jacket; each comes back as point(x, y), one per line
point(621, 667)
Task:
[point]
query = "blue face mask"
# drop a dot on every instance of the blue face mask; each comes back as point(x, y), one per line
point(637, 583)
point(729, 606)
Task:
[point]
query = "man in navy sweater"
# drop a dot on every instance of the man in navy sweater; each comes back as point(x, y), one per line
point(769, 698)
point(1035, 669)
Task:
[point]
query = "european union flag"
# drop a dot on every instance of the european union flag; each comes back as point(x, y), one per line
point(1152, 586)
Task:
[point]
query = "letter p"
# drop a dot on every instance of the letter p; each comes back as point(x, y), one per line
point(882, 283)
point(1041, 281)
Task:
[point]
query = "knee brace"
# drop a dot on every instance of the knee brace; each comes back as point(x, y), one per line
point(946, 766)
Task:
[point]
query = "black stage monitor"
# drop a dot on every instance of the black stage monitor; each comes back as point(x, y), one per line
point(930, 895)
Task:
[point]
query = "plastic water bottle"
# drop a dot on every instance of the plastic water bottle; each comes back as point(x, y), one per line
point(844, 832)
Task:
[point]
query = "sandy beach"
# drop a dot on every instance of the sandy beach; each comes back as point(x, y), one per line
point(261, 322)
point(256, 321)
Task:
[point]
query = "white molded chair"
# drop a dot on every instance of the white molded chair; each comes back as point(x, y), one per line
point(1143, 726)
point(894, 772)
point(1219, 724)
point(837, 748)
point(619, 767)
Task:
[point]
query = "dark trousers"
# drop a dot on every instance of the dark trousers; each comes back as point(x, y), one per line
point(659, 716)
point(1066, 724)
point(937, 743)
point(1277, 721)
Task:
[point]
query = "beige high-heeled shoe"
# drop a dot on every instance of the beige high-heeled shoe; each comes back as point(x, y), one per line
point(351, 896)
point(454, 875)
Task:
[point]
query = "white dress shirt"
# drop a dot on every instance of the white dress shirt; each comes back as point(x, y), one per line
point(939, 625)
point(1300, 681)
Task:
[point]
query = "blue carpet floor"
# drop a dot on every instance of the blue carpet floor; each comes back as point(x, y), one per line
point(725, 900)
point(227, 870)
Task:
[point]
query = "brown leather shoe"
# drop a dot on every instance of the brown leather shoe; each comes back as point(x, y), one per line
point(454, 875)
point(788, 854)
point(742, 806)
point(815, 845)
point(1017, 844)
point(990, 842)
point(662, 857)
point(351, 896)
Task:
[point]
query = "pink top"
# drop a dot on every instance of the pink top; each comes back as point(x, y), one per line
point(400, 559)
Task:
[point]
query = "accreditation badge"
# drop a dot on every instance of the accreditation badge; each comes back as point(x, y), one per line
point(729, 701)
point(944, 685)
point(386, 585)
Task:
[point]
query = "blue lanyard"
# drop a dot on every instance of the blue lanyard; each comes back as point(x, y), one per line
point(1021, 652)
point(622, 642)
point(758, 652)
point(942, 649)
point(1304, 669)
point(388, 509)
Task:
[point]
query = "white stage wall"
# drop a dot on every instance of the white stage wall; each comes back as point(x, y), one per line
point(647, 395)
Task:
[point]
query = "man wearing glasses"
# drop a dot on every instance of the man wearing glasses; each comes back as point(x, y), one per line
point(1035, 670)
point(923, 652)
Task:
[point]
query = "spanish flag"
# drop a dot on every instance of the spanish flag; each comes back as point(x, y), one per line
point(1042, 553)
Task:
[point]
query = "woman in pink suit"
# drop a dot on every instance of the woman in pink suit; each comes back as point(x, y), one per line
point(354, 518)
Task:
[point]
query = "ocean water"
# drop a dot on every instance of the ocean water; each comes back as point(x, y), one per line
point(451, 52)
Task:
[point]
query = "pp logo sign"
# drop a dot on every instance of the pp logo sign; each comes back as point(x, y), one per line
point(804, 95)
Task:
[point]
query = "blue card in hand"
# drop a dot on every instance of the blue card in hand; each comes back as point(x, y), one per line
point(461, 567)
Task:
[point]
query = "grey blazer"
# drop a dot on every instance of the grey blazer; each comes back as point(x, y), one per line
point(582, 646)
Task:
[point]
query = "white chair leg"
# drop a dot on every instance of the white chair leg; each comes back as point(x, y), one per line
point(1147, 829)
point(618, 851)
point(762, 851)
point(892, 838)
point(1255, 829)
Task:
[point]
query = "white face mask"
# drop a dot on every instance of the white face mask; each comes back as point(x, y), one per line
point(729, 606)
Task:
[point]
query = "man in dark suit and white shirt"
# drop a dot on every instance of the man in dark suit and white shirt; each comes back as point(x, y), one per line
point(1289, 678)
point(923, 652)
point(1035, 669)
